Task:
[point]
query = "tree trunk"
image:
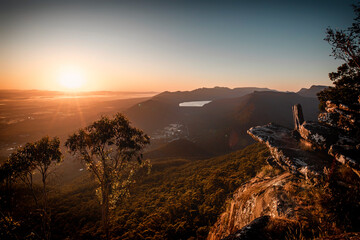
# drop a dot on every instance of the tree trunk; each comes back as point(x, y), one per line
point(31, 186)
point(45, 216)
point(105, 211)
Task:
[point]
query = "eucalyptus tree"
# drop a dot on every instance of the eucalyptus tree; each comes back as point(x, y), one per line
point(111, 150)
point(37, 157)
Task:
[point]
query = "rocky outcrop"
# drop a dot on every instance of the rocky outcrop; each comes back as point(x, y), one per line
point(298, 116)
point(265, 228)
point(259, 197)
point(310, 149)
point(290, 153)
point(252, 230)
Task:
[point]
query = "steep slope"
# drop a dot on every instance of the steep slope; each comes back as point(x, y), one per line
point(262, 196)
point(176, 202)
point(222, 124)
point(256, 107)
point(180, 148)
point(314, 189)
point(153, 114)
point(295, 208)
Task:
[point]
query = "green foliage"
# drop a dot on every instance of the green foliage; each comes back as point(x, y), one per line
point(347, 86)
point(342, 199)
point(327, 208)
point(36, 157)
point(184, 201)
point(175, 201)
point(346, 46)
point(76, 210)
point(108, 148)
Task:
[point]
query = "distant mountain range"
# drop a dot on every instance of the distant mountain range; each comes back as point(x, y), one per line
point(205, 94)
point(312, 91)
point(164, 109)
point(220, 126)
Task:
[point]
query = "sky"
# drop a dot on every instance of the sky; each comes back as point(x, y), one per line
point(168, 45)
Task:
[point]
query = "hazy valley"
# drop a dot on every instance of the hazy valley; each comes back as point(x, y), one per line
point(199, 155)
point(219, 125)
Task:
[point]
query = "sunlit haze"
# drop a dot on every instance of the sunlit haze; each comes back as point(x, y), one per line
point(71, 78)
point(123, 46)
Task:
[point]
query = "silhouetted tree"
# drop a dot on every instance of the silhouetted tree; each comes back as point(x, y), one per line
point(111, 150)
point(345, 46)
point(36, 157)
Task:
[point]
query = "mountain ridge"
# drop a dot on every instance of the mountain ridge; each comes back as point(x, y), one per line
point(221, 124)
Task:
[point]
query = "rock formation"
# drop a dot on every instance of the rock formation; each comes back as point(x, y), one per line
point(290, 153)
point(260, 197)
point(298, 116)
point(307, 154)
point(311, 147)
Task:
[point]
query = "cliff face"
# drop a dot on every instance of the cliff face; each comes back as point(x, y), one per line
point(319, 181)
point(281, 205)
point(259, 197)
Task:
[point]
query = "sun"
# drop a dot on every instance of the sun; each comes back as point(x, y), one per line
point(71, 78)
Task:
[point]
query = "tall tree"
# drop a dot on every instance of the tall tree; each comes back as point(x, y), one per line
point(36, 157)
point(345, 46)
point(111, 150)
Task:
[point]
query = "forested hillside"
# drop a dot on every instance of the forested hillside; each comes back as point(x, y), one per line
point(175, 201)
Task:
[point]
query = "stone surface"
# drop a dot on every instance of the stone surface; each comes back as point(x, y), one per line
point(312, 146)
point(254, 230)
point(309, 150)
point(298, 116)
point(259, 197)
point(292, 155)
point(319, 135)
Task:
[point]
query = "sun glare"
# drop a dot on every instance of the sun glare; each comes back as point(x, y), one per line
point(71, 78)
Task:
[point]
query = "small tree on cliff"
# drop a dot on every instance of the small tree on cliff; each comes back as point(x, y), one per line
point(111, 149)
point(345, 46)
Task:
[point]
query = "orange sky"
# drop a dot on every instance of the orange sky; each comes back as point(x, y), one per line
point(157, 48)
